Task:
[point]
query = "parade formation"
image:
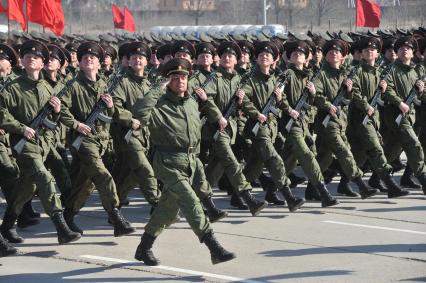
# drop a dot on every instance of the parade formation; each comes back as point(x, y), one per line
point(179, 118)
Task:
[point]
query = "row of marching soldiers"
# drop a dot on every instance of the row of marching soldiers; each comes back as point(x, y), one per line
point(186, 125)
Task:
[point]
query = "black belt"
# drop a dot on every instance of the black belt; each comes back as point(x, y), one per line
point(175, 149)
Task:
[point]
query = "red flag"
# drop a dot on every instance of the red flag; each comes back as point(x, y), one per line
point(36, 12)
point(129, 21)
point(15, 8)
point(59, 19)
point(2, 9)
point(47, 13)
point(117, 17)
point(367, 13)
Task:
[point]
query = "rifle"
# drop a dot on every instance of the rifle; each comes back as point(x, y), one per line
point(157, 85)
point(232, 105)
point(270, 105)
point(376, 100)
point(42, 120)
point(340, 99)
point(302, 103)
point(96, 113)
point(411, 98)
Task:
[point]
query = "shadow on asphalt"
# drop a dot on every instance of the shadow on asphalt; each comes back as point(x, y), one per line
point(300, 275)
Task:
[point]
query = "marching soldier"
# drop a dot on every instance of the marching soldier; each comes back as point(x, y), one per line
point(20, 102)
point(172, 116)
point(81, 98)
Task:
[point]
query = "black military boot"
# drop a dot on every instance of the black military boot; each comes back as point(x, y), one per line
point(376, 183)
point(269, 187)
point(5, 248)
point(326, 198)
point(293, 203)
point(407, 180)
point(266, 182)
point(422, 180)
point(397, 165)
point(28, 208)
point(394, 190)
point(253, 204)
point(25, 220)
point(365, 190)
point(295, 180)
point(217, 252)
point(237, 202)
point(144, 253)
point(344, 188)
point(312, 193)
point(65, 235)
point(7, 230)
point(214, 213)
point(332, 171)
point(69, 218)
point(121, 225)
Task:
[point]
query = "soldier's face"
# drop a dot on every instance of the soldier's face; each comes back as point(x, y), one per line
point(108, 60)
point(228, 60)
point(183, 55)
point(89, 62)
point(178, 83)
point(137, 62)
point(205, 59)
point(318, 56)
point(334, 56)
point(73, 56)
point(154, 60)
point(265, 59)
point(32, 62)
point(390, 54)
point(298, 58)
point(53, 65)
point(369, 54)
point(405, 53)
point(5, 66)
point(245, 58)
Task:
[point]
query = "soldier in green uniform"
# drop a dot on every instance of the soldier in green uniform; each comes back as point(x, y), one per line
point(20, 103)
point(365, 141)
point(296, 147)
point(73, 64)
point(78, 103)
point(173, 119)
point(221, 92)
point(332, 139)
point(402, 78)
point(135, 169)
point(422, 108)
point(258, 91)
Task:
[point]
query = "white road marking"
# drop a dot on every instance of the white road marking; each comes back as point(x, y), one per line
point(174, 269)
point(376, 227)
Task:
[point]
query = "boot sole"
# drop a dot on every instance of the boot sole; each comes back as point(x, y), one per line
point(399, 195)
point(130, 231)
point(332, 204)
point(219, 217)
point(63, 241)
point(299, 205)
point(217, 261)
point(257, 211)
point(368, 195)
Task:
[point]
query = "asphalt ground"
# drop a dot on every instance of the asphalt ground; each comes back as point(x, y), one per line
point(372, 240)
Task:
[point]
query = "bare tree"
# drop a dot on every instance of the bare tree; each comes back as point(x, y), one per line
point(196, 8)
point(322, 8)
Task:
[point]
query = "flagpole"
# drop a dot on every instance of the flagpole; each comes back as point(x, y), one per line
point(26, 17)
point(356, 14)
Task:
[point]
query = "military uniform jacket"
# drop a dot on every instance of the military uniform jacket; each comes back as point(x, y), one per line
point(400, 81)
point(78, 103)
point(128, 90)
point(3, 82)
point(21, 101)
point(365, 83)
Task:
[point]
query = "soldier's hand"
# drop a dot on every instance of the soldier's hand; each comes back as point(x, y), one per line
point(222, 123)
point(278, 94)
point(240, 95)
point(107, 99)
point(332, 110)
point(311, 87)
point(2, 132)
point(201, 94)
point(83, 129)
point(348, 84)
point(294, 114)
point(404, 107)
point(29, 133)
point(56, 104)
point(383, 85)
point(262, 118)
point(135, 124)
point(370, 110)
point(420, 85)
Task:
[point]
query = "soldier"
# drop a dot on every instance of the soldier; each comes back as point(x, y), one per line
point(134, 167)
point(332, 139)
point(258, 91)
point(173, 119)
point(6, 248)
point(221, 92)
point(87, 90)
point(110, 56)
point(73, 64)
point(402, 78)
point(364, 138)
point(422, 108)
point(20, 102)
point(296, 147)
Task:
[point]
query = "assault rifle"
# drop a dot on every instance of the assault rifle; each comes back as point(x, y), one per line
point(42, 120)
point(97, 111)
point(340, 98)
point(302, 103)
point(411, 98)
point(270, 106)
